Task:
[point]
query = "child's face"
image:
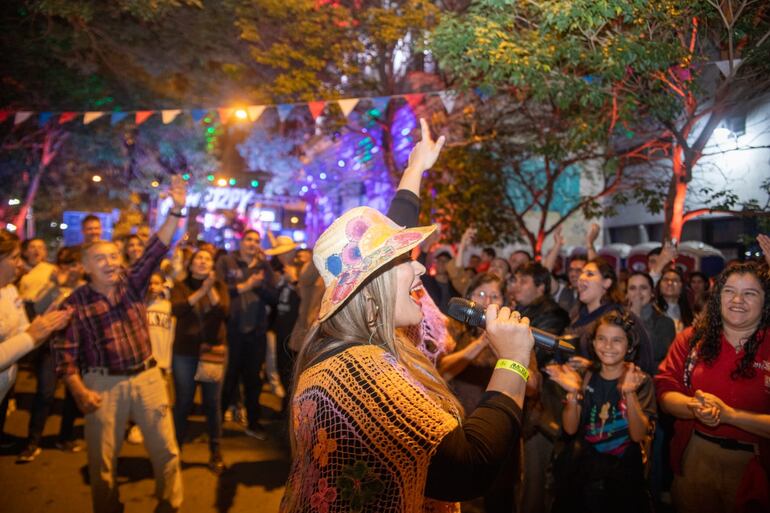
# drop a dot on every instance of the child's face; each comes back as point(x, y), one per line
point(610, 344)
point(156, 285)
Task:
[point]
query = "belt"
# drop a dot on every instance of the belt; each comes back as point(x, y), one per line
point(145, 365)
point(728, 443)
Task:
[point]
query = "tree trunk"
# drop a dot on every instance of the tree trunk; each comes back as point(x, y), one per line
point(50, 147)
point(677, 193)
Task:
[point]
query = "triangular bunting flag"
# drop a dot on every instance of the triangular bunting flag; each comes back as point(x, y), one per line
point(724, 66)
point(21, 117)
point(142, 116)
point(44, 117)
point(448, 98)
point(381, 103)
point(90, 117)
point(348, 105)
point(255, 111)
point(4, 114)
point(66, 117)
point(197, 114)
point(316, 108)
point(283, 111)
point(117, 117)
point(169, 115)
point(414, 99)
point(224, 114)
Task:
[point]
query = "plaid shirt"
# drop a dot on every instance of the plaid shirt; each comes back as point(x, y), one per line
point(112, 336)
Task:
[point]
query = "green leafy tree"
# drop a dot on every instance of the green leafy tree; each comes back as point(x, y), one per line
point(620, 76)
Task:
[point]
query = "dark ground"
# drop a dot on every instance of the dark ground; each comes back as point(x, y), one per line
point(57, 481)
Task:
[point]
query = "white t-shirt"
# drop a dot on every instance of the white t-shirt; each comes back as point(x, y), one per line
point(162, 325)
point(14, 341)
point(35, 280)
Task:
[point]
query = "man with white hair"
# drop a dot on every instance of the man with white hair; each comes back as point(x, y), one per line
point(105, 357)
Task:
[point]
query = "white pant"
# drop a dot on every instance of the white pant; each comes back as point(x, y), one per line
point(144, 399)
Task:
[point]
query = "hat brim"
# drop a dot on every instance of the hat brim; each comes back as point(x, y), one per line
point(280, 250)
point(346, 285)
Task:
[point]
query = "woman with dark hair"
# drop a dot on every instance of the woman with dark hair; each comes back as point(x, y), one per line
point(133, 249)
point(610, 413)
point(640, 299)
point(672, 298)
point(17, 335)
point(200, 304)
point(598, 294)
point(699, 286)
point(716, 382)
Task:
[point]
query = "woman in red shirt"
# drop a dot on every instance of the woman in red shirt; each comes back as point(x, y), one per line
point(716, 382)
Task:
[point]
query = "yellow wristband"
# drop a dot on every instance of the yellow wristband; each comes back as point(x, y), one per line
point(513, 366)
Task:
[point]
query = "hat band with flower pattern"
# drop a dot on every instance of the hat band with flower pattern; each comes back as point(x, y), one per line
point(357, 244)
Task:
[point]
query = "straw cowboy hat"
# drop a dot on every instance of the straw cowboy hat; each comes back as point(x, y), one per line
point(281, 244)
point(354, 247)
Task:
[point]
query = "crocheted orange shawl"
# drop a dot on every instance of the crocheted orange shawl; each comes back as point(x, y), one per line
point(365, 432)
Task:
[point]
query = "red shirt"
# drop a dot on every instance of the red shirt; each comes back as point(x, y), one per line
point(751, 394)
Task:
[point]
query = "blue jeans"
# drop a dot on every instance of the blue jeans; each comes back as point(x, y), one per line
point(184, 368)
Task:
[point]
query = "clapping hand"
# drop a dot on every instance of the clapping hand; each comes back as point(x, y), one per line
point(565, 376)
point(208, 283)
point(632, 379)
point(425, 152)
point(709, 409)
point(43, 325)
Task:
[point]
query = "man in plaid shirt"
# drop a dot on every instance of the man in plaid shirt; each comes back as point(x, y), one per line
point(106, 360)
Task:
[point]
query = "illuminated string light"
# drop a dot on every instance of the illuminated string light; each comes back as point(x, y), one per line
point(96, 178)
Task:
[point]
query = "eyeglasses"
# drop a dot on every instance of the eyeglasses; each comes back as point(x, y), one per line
point(482, 295)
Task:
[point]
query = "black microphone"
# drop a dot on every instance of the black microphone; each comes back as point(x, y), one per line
point(470, 313)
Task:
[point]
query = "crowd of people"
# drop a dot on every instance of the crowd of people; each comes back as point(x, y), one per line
point(390, 404)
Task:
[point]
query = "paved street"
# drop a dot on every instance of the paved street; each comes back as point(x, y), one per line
point(57, 481)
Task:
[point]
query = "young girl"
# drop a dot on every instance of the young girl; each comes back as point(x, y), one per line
point(611, 412)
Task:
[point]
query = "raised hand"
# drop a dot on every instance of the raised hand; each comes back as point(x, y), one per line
point(178, 191)
point(558, 239)
point(764, 243)
point(425, 152)
point(593, 234)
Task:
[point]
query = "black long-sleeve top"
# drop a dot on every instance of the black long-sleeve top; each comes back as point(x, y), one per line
point(470, 456)
point(202, 323)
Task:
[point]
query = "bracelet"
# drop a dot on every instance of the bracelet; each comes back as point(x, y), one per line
point(176, 214)
point(572, 398)
point(513, 366)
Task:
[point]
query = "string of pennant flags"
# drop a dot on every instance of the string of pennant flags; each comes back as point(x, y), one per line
point(250, 112)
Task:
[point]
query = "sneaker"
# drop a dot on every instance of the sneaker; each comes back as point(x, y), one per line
point(216, 465)
point(69, 446)
point(241, 417)
point(134, 436)
point(256, 431)
point(29, 454)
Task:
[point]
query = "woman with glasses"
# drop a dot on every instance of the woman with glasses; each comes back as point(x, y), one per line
point(672, 298)
point(716, 382)
point(468, 370)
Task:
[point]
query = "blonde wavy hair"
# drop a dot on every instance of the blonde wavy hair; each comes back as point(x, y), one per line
point(368, 318)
